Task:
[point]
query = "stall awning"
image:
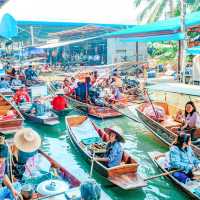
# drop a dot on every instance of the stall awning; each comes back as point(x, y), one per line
point(179, 88)
point(160, 28)
point(157, 38)
point(193, 51)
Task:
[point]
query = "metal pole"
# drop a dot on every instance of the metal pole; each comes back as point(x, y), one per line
point(183, 42)
point(32, 35)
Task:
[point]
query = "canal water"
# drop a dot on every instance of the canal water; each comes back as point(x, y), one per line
point(139, 141)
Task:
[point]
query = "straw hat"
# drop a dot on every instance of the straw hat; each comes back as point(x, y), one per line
point(118, 131)
point(27, 140)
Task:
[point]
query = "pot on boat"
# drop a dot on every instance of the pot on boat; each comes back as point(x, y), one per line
point(27, 191)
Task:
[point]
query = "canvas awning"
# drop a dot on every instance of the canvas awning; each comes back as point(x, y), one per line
point(179, 88)
point(193, 51)
point(163, 29)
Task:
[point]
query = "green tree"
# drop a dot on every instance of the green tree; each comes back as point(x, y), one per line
point(155, 9)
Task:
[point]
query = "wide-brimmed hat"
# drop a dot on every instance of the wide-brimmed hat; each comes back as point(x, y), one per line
point(27, 140)
point(60, 91)
point(118, 131)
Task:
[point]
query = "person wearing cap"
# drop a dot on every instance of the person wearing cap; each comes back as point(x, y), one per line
point(114, 151)
point(90, 190)
point(30, 73)
point(26, 144)
point(21, 96)
point(59, 102)
point(9, 190)
point(38, 107)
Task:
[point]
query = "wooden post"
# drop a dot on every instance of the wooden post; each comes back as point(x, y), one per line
point(137, 51)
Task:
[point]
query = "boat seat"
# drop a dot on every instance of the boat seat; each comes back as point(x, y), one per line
point(169, 122)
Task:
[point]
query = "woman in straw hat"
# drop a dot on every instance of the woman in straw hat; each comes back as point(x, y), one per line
point(114, 151)
point(26, 144)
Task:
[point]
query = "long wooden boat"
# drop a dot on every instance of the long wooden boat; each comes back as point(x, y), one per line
point(9, 123)
point(191, 188)
point(125, 175)
point(51, 119)
point(69, 181)
point(165, 130)
point(93, 110)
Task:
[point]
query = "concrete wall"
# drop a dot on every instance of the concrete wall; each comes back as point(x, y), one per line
point(117, 50)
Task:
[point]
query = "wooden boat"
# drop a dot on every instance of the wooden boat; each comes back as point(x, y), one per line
point(165, 130)
point(159, 159)
point(69, 184)
point(63, 112)
point(125, 175)
point(51, 119)
point(93, 110)
point(9, 123)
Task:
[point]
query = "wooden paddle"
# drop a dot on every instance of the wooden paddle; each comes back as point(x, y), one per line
point(92, 165)
point(163, 174)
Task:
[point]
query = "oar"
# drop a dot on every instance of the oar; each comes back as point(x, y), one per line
point(163, 174)
point(116, 109)
point(92, 165)
point(49, 196)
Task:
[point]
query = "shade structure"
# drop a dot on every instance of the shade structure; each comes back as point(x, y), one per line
point(179, 88)
point(157, 38)
point(193, 51)
point(163, 29)
point(8, 27)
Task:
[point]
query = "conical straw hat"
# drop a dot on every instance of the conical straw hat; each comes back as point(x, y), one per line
point(27, 140)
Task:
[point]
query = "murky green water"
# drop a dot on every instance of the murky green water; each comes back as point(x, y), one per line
point(138, 142)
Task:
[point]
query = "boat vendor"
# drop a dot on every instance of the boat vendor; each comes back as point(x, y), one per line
point(4, 84)
point(59, 102)
point(181, 156)
point(38, 107)
point(26, 144)
point(9, 191)
point(30, 73)
point(191, 119)
point(22, 96)
point(114, 151)
point(116, 94)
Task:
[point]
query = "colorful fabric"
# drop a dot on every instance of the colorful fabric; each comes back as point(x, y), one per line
point(21, 96)
point(59, 103)
point(182, 159)
point(114, 154)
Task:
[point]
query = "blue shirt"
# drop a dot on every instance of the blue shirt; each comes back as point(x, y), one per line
point(182, 159)
point(4, 84)
point(39, 108)
point(114, 154)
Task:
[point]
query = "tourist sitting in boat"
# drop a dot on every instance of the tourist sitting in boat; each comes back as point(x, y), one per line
point(181, 156)
point(16, 81)
point(38, 107)
point(191, 119)
point(59, 102)
point(7, 189)
point(90, 190)
point(114, 151)
point(4, 84)
point(30, 74)
point(73, 84)
point(26, 144)
point(68, 88)
point(21, 96)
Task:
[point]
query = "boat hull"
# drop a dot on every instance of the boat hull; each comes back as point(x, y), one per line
point(49, 121)
point(95, 111)
point(165, 135)
point(123, 176)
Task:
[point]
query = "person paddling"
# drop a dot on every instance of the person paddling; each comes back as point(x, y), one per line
point(114, 151)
